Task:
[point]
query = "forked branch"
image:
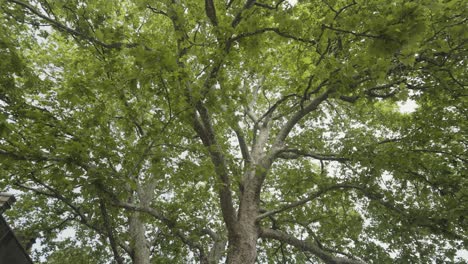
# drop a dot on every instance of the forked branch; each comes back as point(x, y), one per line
point(296, 117)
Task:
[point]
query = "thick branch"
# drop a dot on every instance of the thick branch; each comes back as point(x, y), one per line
point(38, 157)
point(110, 233)
point(356, 34)
point(153, 212)
point(219, 244)
point(275, 30)
point(171, 224)
point(269, 6)
point(306, 246)
point(192, 244)
point(372, 92)
point(309, 198)
point(203, 127)
point(242, 143)
point(238, 17)
point(211, 12)
point(313, 105)
point(296, 153)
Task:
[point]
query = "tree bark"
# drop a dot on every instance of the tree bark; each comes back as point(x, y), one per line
point(140, 250)
point(243, 243)
point(141, 253)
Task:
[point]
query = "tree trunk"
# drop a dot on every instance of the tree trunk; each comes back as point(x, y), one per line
point(141, 254)
point(243, 244)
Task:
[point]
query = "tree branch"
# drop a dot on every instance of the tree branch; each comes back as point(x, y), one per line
point(338, 12)
point(309, 198)
point(276, 105)
point(203, 127)
point(269, 6)
point(219, 244)
point(72, 31)
point(319, 243)
point(211, 12)
point(432, 224)
point(237, 19)
point(171, 224)
point(275, 30)
point(356, 34)
point(372, 91)
point(39, 157)
point(83, 219)
point(306, 246)
point(313, 105)
point(110, 233)
point(153, 212)
point(296, 153)
point(157, 11)
point(242, 143)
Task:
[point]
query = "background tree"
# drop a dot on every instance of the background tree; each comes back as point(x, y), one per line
point(240, 131)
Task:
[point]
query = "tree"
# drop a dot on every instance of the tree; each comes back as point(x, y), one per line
point(239, 131)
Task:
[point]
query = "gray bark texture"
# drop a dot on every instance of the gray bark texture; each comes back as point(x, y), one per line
point(140, 250)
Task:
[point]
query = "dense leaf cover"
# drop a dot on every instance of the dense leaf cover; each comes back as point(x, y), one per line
point(175, 131)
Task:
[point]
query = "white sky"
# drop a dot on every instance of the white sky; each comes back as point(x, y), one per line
point(408, 106)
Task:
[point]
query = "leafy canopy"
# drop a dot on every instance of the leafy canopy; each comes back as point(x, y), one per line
point(120, 118)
